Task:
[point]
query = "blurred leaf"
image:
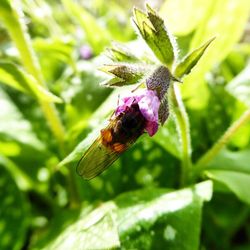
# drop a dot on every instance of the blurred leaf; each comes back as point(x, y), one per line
point(9, 148)
point(14, 217)
point(96, 230)
point(233, 161)
point(15, 126)
point(185, 66)
point(227, 26)
point(97, 36)
point(178, 17)
point(237, 182)
point(19, 79)
point(62, 49)
point(162, 220)
point(23, 181)
point(239, 87)
point(37, 12)
point(156, 35)
point(168, 138)
point(5, 6)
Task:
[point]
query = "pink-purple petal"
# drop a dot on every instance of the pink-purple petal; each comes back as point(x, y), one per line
point(151, 127)
point(148, 103)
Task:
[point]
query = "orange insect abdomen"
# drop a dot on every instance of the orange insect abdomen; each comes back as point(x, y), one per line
point(106, 136)
point(119, 147)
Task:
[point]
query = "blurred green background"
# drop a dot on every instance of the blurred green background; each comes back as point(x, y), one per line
point(57, 47)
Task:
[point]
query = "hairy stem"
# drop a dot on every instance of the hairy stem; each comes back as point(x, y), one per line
point(211, 153)
point(182, 123)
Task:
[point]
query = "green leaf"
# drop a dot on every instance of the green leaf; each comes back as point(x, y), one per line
point(162, 219)
point(185, 66)
point(239, 87)
point(156, 35)
point(17, 78)
point(237, 182)
point(62, 49)
point(230, 160)
point(228, 26)
point(14, 216)
point(125, 74)
point(94, 230)
point(14, 126)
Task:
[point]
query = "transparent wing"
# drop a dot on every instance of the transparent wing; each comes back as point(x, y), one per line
point(97, 158)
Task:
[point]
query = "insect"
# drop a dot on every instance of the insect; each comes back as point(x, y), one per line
point(122, 132)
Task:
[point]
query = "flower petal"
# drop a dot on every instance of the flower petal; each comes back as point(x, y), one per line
point(148, 103)
point(151, 127)
point(124, 102)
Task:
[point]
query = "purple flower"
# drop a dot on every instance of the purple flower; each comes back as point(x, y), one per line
point(86, 52)
point(148, 103)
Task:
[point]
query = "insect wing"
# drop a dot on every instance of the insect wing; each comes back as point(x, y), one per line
point(97, 158)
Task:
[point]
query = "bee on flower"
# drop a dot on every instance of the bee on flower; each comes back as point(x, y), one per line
point(137, 112)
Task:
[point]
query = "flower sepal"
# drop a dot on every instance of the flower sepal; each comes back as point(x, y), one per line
point(125, 73)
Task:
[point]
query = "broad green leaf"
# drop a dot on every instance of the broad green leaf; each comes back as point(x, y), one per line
point(14, 215)
point(185, 66)
point(237, 182)
point(156, 35)
point(162, 219)
point(159, 218)
point(228, 26)
point(233, 161)
point(14, 126)
point(17, 78)
point(97, 36)
point(95, 230)
point(239, 87)
point(178, 14)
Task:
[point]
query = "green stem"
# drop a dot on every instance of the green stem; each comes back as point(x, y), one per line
point(182, 123)
point(211, 153)
point(17, 29)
